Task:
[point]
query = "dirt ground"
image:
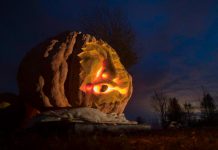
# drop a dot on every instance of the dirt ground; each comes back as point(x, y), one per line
point(174, 139)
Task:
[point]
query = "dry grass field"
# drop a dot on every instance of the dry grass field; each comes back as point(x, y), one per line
point(184, 139)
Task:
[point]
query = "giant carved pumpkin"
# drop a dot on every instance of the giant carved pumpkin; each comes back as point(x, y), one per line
point(74, 70)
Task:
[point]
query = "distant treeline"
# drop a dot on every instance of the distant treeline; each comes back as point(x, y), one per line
point(172, 114)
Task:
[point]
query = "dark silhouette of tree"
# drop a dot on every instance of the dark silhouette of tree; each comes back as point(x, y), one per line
point(174, 111)
point(208, 107)
point(113, 27)
point(188, 109)
point(159, 103)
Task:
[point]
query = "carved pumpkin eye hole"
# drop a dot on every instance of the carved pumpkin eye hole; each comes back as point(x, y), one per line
point(104, 88)
point(101, 89)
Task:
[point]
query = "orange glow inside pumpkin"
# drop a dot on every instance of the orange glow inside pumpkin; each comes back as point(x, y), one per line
point(98, 89)
point(89, 88)
point(105, 76)
point(103, 88)
point(104, 80)
point(116, 80)
point(99, 72)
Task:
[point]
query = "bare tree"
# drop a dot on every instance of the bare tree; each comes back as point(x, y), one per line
point(188, 108)
point(113, 27)
point(208, 107)
point(174, 111)
point(159, 103)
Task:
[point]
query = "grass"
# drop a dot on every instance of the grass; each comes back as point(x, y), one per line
point(185, 139)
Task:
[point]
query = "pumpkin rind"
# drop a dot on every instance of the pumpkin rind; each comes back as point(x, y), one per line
point(65, 71)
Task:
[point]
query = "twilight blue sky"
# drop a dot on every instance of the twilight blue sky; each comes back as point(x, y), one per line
point(176, 41)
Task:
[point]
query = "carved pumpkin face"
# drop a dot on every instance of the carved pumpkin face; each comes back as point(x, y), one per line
point(75, 70)
point(104, 78)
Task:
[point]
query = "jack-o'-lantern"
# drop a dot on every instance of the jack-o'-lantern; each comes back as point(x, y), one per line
point(74, 70)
